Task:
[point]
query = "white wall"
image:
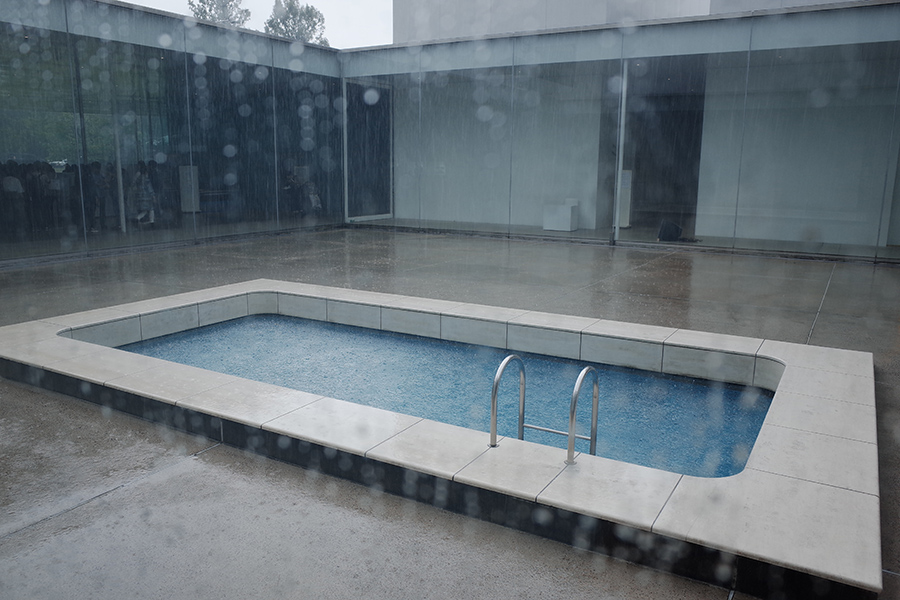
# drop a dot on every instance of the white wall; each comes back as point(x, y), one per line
point(455, 167)
point(808, 160)
point(475, 161)
point(426, 20)
point(556, 150)
point(418, 20)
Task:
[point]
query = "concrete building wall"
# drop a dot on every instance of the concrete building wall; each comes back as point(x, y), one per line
point(427, 20)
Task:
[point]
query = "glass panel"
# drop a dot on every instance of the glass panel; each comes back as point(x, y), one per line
point(132, 101)
point(232, 132)
point(720, 154)
point(563, 155)
point(129, 90)
point(382, 135)
point(406, 97)
point(891, 248)
point(233, 146)
point(369, 133)
point(465, 149)
point(661, 153)
point(817, 149)
point(309, 129)
point(40, 212)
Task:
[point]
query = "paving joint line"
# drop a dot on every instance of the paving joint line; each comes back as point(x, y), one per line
point(821, 304)
point(62, 512)
point(102, 494)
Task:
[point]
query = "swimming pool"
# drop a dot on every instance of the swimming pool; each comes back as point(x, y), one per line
point(676, 423)
point(815, 461)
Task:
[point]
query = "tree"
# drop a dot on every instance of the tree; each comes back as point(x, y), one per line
point(297, 22)
point(223, 12)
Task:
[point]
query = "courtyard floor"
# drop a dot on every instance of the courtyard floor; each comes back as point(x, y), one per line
point(99, 504)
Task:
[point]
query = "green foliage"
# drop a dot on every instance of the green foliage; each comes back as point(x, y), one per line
point(297, 22)
point(223, 12)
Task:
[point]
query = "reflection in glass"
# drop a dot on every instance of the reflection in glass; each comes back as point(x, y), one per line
point(369, 184)
point(308, 132)
point(40, 210)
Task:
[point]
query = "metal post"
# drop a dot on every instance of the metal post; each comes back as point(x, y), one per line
point(570, 456)
point(494, 390)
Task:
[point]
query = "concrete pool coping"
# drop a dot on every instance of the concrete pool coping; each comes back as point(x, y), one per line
point(807, 502)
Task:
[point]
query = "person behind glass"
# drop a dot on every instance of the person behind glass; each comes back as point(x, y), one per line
point(13, 208)
point(96, 193)
point(143, 199)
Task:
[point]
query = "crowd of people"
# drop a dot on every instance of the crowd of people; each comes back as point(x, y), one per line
point(38, 201)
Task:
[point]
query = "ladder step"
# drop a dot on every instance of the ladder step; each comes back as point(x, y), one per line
point(566, 433)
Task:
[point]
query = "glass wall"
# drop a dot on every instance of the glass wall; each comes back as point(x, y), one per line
point(661, 151)
point(309, 129)
point(564, 148)
point(38, 146)
point(122, 127)
point(800, 150)
point(131, 121)
point(369, 115)
point(495, 135)
point(815, 163)
point(770, 133)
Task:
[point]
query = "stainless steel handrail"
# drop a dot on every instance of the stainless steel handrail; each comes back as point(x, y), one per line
point(570, 456)
point(496, 386)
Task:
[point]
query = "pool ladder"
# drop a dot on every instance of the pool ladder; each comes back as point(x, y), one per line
point(570, 456)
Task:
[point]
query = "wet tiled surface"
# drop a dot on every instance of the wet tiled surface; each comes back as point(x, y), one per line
point(782, 302)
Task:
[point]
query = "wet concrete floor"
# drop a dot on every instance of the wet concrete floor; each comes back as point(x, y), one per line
point(102, 505)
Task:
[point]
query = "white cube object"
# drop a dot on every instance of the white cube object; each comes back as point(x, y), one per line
point(561, 216)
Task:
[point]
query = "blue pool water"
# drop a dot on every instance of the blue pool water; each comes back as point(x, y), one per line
point(678, 424)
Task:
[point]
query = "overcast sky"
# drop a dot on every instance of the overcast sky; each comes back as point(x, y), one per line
point(348, 23)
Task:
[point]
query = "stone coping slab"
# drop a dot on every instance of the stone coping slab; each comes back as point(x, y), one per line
point(807, 500)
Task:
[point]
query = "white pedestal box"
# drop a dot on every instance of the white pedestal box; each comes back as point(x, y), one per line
point(561, 215)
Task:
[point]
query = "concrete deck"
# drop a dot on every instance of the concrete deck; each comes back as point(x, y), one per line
point(831, 427)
